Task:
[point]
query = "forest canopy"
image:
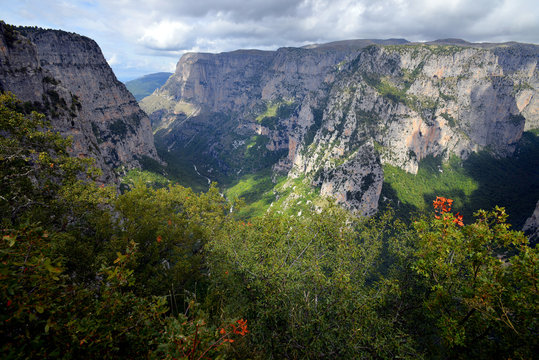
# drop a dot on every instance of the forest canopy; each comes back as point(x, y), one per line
point(165, 272)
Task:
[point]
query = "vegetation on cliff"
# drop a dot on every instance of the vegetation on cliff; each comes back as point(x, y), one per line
point(164, 272)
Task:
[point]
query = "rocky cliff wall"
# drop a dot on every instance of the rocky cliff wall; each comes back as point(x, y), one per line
point(335, 114)
point(531, 227)
point(242, 82)
point(66, 76)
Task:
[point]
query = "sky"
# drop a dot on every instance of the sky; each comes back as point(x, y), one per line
point(140, 37)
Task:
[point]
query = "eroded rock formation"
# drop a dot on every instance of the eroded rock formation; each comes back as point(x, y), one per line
point(334, 114)
point(66, 76)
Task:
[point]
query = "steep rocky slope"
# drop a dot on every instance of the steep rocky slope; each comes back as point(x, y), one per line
point(414, 101)
point(240, 112)
point(333, 115)
point(531, 227)
point(66, 76)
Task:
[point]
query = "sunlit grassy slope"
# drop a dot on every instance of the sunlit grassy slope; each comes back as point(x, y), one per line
point(262, 193)
point(480, 182)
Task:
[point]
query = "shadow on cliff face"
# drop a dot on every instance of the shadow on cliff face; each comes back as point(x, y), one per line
point(480, 182)
point(511, 182)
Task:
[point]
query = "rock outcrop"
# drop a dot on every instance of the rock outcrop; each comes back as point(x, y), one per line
point(531, 227)
point(334, 114)
point(66, 76)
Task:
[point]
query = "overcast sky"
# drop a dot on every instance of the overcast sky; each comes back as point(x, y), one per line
point(139, 37)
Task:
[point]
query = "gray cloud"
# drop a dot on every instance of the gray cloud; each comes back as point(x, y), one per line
point(149, 35)
point(239, 10)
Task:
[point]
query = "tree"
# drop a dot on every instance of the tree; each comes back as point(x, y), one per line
point(171, 226)
point(308, 286)
point(477, 285)
point(73, 282)
point(34, 164)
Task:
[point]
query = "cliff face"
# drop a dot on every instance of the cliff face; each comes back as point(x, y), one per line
point(66, 76)
point(239, 112)
point(334, 114)
point(239, 84)
point(531, 227)
point(414, 101)
point(234, 80)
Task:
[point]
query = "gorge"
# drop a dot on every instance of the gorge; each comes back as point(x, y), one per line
point(341, 120)
point(334, 116)
point(374, 176)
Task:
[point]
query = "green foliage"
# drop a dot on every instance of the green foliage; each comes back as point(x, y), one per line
point(276, 110)
point(409, 77)
point(184, 338)
point(257, 192)
point(256, 155)
point(9, 32)
point(181, 159)
point(398, 92)
point(179, 168)
point(476, 286)
point(480, 182)
point(34, 164)
point(416, 191)
point(318, 114)
point(162, 272)
point(450, 120)
point(271, 111)
point(424, 50)
point(521, 86)
point(149, 178)
point(170, 226)
point(216, 152)
point(303, 285)
point(45, 315)
point(385, 88)
point(79, 286)
point(297, 195)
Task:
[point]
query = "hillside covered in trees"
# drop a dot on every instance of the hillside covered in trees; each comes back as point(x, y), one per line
point(159, 271)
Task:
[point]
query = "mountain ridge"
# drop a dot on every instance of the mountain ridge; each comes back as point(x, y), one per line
point(345, 104)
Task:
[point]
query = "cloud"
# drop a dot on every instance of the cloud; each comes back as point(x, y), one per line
point(238, 10)
point(168, 35)
point(113, 60)
point(152, 32)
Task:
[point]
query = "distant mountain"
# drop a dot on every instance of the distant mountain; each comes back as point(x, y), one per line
point(146, 85)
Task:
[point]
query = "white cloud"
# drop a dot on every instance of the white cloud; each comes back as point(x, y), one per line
point(167, 35)
point(113, 60)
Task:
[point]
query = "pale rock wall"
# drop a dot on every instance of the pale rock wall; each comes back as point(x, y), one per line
point(440, 102)
point(67, 76)
point(531, 227)
point(357, 108)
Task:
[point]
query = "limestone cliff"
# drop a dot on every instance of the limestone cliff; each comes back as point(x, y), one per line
point(334, 114)
point(412, 101)
point(531, 227)
point(238, 112)
point(66, 76)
